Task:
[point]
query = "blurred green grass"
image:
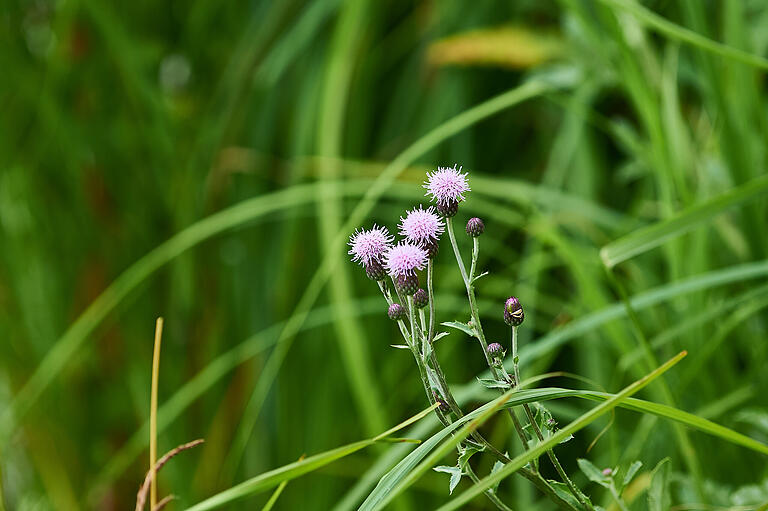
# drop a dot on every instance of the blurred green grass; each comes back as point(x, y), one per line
point(124, 124)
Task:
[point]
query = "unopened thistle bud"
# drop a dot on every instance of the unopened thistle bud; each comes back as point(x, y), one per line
point(407, 284)
point(420, 298)
point(448, 208)
point(375, 270)
point(396, 312)
point(495, 350)
point(475, 227)
point(513, 312)
point(432, 249)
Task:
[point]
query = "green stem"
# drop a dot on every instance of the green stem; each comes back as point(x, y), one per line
point(534, 425)
point(617, 498)
point(478, 327)
point(491, 494)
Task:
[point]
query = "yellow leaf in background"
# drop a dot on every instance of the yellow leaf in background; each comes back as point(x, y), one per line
point(507, 47)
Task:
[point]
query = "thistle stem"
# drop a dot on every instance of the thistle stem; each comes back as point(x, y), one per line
point(494, 371)
point(534, 425)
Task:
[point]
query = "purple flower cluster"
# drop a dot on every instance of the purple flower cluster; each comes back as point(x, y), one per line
point(421, 229)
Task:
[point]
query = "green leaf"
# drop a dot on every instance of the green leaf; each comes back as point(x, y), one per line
point(581, 422)
point(491, 383)
point(466, 453)
point(652, 236)
point(631, 471)
point(455, 476)
point(400, 346)
point(562, 491)
point(439, 335)
point(273, 478)
point(658, 499)
point(496, 467)
point(593, 473)
point(458, 325)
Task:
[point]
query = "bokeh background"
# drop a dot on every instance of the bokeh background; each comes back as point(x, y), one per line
point(126, 123)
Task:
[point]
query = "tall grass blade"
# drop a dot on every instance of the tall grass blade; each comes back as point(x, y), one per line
point(647, 238)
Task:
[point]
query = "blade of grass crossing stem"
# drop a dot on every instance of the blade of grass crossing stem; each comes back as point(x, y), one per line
point(153, 414)
point(276, 495)
point(447, 446)
point(652, 236)
point(273, 478)
point(559, 436)
point(675, 31)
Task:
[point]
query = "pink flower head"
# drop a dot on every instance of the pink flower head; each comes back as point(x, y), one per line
point(404, 259)
point(446, 185)
point(421, 226)
point(369, 245)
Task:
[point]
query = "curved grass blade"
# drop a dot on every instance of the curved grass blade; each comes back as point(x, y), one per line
point(538, 450)
point(293, 470)
point(675, 31)
point(652, 236)
point(476, 419)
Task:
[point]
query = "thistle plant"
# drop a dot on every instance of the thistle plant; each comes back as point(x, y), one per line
point(413, 308)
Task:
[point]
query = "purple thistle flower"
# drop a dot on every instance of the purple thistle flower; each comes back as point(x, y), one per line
point(404, 259)
point(369, 245)
point(421, 226)
point(446, 185)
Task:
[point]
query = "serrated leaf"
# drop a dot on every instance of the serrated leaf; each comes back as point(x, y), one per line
point(467, 453)
point(491, 383)
point(458, 325)
point(658, 499)
point(400, 346)
point(593, 473)
point(455, 476)
point(631, 471)
point(439, 336)
point(564, 493)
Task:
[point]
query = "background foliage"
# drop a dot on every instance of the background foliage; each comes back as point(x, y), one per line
point(125, 123)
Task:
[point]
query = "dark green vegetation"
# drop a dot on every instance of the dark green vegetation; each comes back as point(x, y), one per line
point(206, 161)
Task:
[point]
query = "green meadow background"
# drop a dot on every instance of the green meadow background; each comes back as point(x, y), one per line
point(206, 162)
